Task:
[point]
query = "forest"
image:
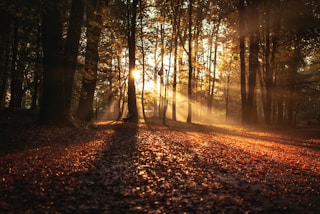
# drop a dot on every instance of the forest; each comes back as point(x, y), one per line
point(249, 61)
point(159, 106)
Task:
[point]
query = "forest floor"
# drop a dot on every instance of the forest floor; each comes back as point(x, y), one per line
point(120, 167)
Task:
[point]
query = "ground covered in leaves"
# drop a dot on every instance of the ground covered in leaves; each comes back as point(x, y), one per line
point(148, 168)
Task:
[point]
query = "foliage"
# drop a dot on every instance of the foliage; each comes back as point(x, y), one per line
point(122, 168)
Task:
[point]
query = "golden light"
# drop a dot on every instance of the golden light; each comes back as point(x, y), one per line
point(136, 75)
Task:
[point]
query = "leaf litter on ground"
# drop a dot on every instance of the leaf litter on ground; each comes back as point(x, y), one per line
point(148, 168)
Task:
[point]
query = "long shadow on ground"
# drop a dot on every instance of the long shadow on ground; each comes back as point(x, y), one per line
point(100, 189)
point(70, 173)
point(130, 168)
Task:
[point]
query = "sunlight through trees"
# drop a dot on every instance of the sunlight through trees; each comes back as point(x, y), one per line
point(253, 61)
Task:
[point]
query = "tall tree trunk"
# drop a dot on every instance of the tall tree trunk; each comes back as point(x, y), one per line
point(227, 91)
point(143, 59)
point(132, 102)
point(269, 57)
point(122, 87)
point(242, 60)
point(155, 76)
point(190, 63)
point(161, 74)
point(253, 67)
point(253, 61)
point(210, 78)
point(268, 74)
point(176, 32)
point(293, 68)
point(5, 28)
point(71, 49)
point(16, 73)
point(213, 86)
point(52, 106)
point(37, 74)
point(94, 27)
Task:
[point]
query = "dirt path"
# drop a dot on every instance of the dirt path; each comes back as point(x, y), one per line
point(124, 168)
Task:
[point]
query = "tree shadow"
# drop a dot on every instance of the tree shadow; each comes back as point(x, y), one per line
point(100, 189)
point(253, 182)
point(300, 137)
point(142, 169)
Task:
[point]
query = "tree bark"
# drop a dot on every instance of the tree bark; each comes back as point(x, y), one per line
point(132, 102)
point(16, 74)
point(37, 74)
point(5, 28)
point(189, 118)
point(176, 32)
point(94, 27)
point(52, 106)
point(242, 61)
point(71, 49)
point(143, 59)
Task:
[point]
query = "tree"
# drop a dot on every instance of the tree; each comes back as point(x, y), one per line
point(253, 30)
point(52, 105)
point(132, 102)
point(249, 26)
point(242, 59)
point(94, 27)
point(190, 61)
point(5, 23)
point(176, 28)
point(141, 7)
point(71, 49)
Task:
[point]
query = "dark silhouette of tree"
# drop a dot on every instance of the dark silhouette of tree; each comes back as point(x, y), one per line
point(132, 102)
point(5, 23)
point(52, 105)
point(190, 61)
point(94, 27)
point(71, 49)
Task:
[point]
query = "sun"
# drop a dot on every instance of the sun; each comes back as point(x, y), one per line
point(136, 75)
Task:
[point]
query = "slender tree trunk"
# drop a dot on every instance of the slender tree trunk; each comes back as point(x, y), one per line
point(85, 107)
point(122, 87)
point(16, 73)
point(213, 86)
point(37, 74)
point(143, 60)
point(209, 99)
point(71, 49)
point(189, 118)
point(52, 106)
point(253, 67)
point(5, 76)
point(161, 74)
point(227, 90)
point(268, 74)
point(176, 32)
point(242, 61)
point(253, 61)
point(132, 102)
point(5, 28)
point(155, 76)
